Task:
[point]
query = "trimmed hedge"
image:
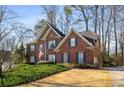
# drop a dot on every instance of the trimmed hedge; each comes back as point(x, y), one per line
point(82, 66)
point(24, 73)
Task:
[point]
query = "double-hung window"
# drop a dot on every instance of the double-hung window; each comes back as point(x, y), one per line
point(32, 48)
point(41, 47)
point(52, 44)
point(51, 57)
point(32, 59)
point(72, 42)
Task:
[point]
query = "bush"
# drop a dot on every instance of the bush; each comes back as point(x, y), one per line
point(110, 60)
point(86, 66)
point(24, 73)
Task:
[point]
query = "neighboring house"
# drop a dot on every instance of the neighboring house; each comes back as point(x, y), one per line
point(54, 46)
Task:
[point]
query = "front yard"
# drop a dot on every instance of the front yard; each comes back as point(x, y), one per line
point(24, 73)
point(75, 78)
point(37, 75)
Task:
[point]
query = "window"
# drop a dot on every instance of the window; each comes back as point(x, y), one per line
point(51, 57)
point(65, 57)
point(32, 48)
point(72, 42)
point(41, 47)
point(80, 57)
point(51, 44)
point(32, 59)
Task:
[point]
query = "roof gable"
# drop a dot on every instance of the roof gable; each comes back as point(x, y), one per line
point(59, 33)
point(67, 36)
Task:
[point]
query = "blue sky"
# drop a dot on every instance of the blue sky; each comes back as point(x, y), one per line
point(27, 14)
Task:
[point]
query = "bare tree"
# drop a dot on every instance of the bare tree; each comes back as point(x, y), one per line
point(6, 27)
point(115, 32)
point(50, 11)
point(85, 12)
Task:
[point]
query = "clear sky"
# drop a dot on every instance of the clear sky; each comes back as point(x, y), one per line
point(27, 14)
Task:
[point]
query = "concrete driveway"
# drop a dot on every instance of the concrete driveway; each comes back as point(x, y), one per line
point(117, 75)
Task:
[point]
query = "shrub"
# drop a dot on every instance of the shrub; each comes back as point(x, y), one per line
point(110, 60)
point(87, 66)
point(24, 73)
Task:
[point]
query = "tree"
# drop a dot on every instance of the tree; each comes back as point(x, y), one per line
point(7, 26)
point(85, 12)
point(68, 13)
point(50, 11)
point(115, 32)
point(39, 26)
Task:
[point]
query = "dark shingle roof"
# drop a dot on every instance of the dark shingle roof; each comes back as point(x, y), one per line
point(90, 36)
point(57, 30)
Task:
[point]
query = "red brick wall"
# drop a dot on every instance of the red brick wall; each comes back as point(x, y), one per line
point(81, 46)
point(51, 36)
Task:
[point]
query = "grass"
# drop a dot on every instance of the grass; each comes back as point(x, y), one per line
point(75, 78)
point(24, 73)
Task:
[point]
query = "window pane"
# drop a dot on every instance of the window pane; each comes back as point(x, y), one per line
point(32, 48)
point(32, 59)
point(72, 42)
point(41, 47)
point(81, 57)
point(52, 44)
point(51, 58)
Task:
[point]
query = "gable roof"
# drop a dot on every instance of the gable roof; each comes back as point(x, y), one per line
point(90, 35)
point(56, 30)
point(63, 40)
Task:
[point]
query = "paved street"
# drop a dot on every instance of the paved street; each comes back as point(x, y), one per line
point(117, 75)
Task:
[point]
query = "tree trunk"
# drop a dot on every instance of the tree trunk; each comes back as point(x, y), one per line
point(122, 54)
point(115, 32)
point(102, 10)
point(96, 16)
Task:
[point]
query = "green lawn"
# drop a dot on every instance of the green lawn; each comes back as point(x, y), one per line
point(24, 73)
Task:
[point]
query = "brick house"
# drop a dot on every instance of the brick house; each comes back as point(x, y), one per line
point(54, 46)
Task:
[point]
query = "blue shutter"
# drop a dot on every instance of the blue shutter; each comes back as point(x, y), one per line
point(76, 57)
point(46, 44)
point(85, 57)
point(35, 47)
point(68, 57)
point(62, 57)
point(46, 57)
point(57, 42)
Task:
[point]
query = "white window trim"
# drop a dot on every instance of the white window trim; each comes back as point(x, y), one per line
point(41, 48)
point(50, 42)
point(32, 59)
point(72, 42)
point(52, 57)
point(65, 57)
point(32, 48)
point(80, 57)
